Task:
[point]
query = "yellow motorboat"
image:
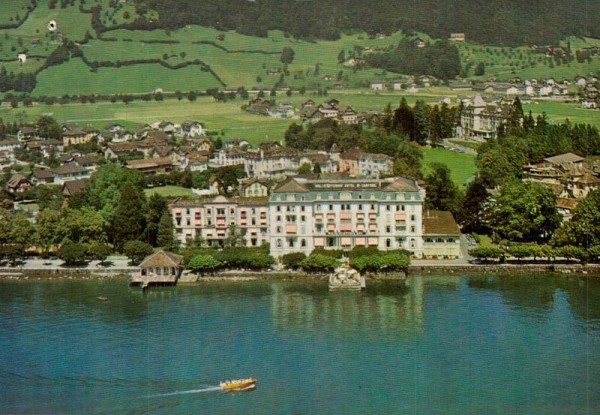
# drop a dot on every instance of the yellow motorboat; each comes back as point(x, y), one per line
point(237, 384)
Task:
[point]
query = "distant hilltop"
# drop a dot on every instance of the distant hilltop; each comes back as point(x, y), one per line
point(497, 22)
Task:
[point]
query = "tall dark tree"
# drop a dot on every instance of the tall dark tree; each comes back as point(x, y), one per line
point(442, 193)
point(157, 206)
point(128, 221)
point(404, 122)
point(472, 214)
point(166, 237)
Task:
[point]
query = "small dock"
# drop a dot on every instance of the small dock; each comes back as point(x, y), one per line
point(159, 269)
point(145, 281)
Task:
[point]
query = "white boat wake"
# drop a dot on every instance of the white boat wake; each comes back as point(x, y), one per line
point(209, 389)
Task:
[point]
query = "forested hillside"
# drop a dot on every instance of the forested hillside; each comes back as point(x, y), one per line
point(500, 22)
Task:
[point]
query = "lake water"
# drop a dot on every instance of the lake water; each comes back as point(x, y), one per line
point(432, 345)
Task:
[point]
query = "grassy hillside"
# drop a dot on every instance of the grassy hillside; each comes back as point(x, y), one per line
point(234, 59)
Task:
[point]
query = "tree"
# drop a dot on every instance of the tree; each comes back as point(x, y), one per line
point(47, 226)
point(99, 251)
point(408, 160)
point(584, 227)
point(480, 69)
point(203, 263)
point(234, 236)
point(524, 212)
point(157, 206)
point(306, 168)
point(319, 263)
point(82, 225)
point(442, 193)
point(471, 215)
point(136, 251)
point(128, 220)
point(72, 253)
point(487, 252)
point(287, 55)
point(293, 260)
point(165, 237)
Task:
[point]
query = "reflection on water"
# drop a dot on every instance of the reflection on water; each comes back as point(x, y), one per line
point(383, 308)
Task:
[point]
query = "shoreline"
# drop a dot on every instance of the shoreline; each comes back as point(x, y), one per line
point(21, 273)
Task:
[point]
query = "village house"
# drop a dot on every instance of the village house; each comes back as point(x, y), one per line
point(377, 85)
point(27, 133)
point(441, 235)
point(356, 163)
point(79, 136)
point(191, 129)
point(254, 187)
point(72, 188)
point(457, 37)
point(151, 165)
point(7, 151)
point(117, 151)
point(18, 184)
point(69, 172)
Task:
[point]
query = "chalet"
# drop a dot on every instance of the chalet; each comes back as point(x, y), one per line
point(420, 43)
point(69, 172)
point(254, 187)
point(79, 136)
point(457, 37)
point(87, 162)
point(151, 166)
point(347, 115)
point(192, 129)
point(198, 161)
point(377, 85)
point(589, 103)
point(397, 85)
point(7, 151)
point(42, 176)
point(71, 188)
point(27, 133)
point(441, 235)
point(412, 89)
point(460, 86)
point(562, 160)
point(18, 184)
point(566, 206)
point(120, 150)
point(114, 128)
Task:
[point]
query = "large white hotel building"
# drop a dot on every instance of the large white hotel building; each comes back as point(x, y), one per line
point(302, 214)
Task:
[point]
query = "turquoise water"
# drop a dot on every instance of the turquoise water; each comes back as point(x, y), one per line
point(432, 345)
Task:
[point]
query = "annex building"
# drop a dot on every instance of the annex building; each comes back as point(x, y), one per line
point(303, 214)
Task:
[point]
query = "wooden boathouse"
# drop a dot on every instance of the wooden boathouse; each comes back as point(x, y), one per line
point(160, 268)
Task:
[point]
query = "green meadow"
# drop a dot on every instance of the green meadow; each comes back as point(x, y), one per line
point(12, 9)
point(170, 192)
point(461, 165)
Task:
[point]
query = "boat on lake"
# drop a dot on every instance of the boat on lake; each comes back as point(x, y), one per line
point(238, 384)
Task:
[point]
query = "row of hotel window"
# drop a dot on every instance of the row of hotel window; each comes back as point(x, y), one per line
point(343, 206)
point(334, 242)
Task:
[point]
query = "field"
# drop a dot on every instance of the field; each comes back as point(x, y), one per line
point(505, 63)
point(12, 9)
point(461, 165)
point(170, 192)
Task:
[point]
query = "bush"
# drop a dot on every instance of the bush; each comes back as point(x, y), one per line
point(72, 253)
point(487, 252)
point(203, 263)
point(136, 251)
point(293, 260)
point(390, 261)
point(99, 251)
point(316, 262)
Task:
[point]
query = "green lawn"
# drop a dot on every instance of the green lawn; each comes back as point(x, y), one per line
point(559, 111)
point(11, 9)
point(30, 207)
point(170, 192)
point(461, 165)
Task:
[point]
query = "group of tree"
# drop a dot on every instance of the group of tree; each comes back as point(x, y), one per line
point(206, 260)
point(530, 141)
point(422, 123)
point(514, 23)
point(20, 82)
point(440, 59)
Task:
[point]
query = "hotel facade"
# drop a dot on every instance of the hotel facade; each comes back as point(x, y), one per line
point(304, 214)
